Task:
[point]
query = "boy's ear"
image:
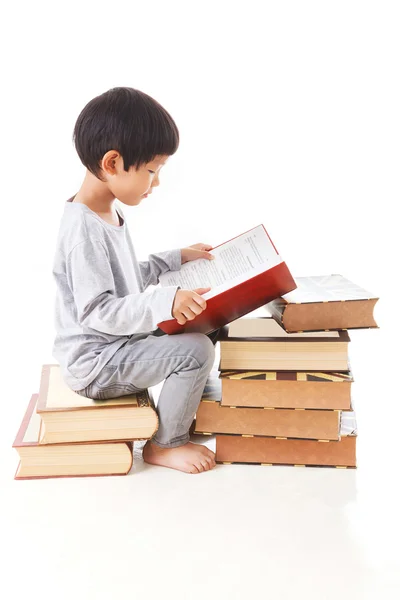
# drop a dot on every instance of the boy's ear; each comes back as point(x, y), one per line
point(110, 161)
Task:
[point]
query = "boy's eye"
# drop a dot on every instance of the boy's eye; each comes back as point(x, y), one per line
point(153, 172)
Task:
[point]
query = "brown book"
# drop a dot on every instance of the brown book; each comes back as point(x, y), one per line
point(326, 302)
point(242, 348)
point(68, 417)
point(286, 389)
point(66, 460)
point(270, 451)
point(212, 417)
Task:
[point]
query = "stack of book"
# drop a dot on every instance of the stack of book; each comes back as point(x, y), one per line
point(64, 434)
point(282, 393)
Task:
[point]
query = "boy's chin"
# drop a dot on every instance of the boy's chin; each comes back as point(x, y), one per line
point(131, 201)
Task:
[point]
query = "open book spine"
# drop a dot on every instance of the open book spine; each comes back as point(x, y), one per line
point(237, 301)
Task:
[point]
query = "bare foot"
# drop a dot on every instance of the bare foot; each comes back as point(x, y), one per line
point(190, 458)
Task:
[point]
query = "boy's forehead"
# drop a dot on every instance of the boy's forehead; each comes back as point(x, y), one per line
point(160, 160)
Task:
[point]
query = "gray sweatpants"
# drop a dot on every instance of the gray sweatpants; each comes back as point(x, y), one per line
point(184, 360)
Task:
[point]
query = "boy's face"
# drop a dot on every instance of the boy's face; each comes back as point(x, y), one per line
point(130, 187)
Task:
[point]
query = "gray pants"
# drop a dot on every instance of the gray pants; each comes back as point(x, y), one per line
point(184, 360)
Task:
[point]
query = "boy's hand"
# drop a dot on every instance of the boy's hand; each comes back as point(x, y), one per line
point(188, 304)
point(196, 251)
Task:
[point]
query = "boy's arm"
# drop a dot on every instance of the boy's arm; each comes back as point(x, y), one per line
point(159, 263)
point(91, 280)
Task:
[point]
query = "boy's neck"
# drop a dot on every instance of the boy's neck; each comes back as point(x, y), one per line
point(96, 196)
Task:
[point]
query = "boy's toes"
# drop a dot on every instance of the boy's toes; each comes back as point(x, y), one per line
point(207, 451)
point(204, 464)
point(208, 463)
point(211, 462)
point(200, 465)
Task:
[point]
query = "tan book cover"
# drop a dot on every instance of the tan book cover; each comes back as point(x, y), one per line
point(325, 302)
point(212, 417)
point(66, 460)
point(271, 451)
point(68, 417)
point(287, 389)
point(277, 350)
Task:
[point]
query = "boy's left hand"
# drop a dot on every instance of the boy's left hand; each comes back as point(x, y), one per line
point(196, 251)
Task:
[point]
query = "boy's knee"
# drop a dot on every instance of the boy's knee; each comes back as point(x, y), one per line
point(202, 348)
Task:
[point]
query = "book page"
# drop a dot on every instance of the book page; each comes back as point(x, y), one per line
point(326, 288)
point(348, 424)
point(235, 261)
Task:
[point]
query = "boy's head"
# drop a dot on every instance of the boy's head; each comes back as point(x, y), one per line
point(123, 137)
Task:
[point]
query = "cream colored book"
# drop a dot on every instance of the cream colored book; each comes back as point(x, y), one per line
point(246, 345)
point(69, 417)
point(66, 460)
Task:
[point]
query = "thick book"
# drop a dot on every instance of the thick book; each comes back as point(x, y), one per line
point(69, 417)
point(325, 302)
point(246, 273)
point(232, 449)
point(212, 417)
point(287, 389)
point(275, 349)
point(66, 460)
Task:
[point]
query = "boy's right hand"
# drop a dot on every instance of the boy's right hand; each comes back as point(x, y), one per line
point(188, 304)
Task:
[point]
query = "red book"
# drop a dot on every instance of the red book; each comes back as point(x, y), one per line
point(247, 272)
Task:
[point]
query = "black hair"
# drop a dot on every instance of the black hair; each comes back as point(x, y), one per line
point(127, 120)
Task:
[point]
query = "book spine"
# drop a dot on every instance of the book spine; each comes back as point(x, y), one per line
point(277, 310)
point(211, 417)
point(237, 301)
point(270, 451)
point(302, 393)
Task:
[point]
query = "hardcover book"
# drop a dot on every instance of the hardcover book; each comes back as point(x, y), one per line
point(324, 302)
point(278, 350)
point(271, 451)
point(63, 460)
point(69, 417)
point(287, 389)
point(246, 273)
point(212, 417)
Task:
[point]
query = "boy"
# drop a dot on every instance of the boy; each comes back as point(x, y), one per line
point(107, 341)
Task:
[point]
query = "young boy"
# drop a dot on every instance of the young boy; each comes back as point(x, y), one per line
point(107, 341)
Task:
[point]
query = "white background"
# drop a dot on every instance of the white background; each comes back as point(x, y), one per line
point(289, 116)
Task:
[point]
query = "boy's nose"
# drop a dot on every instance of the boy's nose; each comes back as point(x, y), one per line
point(156, 180)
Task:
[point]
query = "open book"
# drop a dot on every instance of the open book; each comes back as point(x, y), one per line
point(247, 273)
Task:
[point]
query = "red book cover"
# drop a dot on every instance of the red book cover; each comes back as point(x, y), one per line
point(247, 273)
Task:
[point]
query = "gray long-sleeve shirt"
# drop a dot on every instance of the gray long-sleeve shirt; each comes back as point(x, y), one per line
point(100, 297)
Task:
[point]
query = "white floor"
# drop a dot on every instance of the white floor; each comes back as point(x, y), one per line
point(234, 532)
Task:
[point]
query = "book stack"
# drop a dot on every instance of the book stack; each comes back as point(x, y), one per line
point(64, 434)
point(282, 392)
